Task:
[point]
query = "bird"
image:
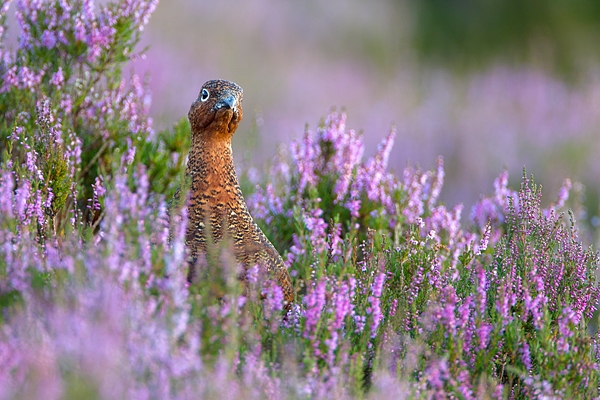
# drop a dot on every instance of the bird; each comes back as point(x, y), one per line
point(216, 205)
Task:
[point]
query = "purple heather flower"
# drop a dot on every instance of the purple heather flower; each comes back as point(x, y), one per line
point(275, 203)
point(317, 228)
point(9, 79)
point(360, 322)
point(58, 78)
point(464, 314)
point(442, 220)
point(394, 307)
point(434, 275)
point(143, 186)
point(335, 126)
point(49, 198)
point(447, 311)
point(315, 301)
point(257, 203)
point(44, 111)
point(482, 288)
point(465, 388)
point(66, 9)
point(66, 104)
point(28, 79)
point(80, 29)
point(343, 307)
point(375, 303)
point(504, 303)
point(411, 296)
point(98, 191)
point(535, 306)
point(495, 209)
point(348, 149)
point(99, 38)
point(335, 241)
point(26, 10)
point(49, 39)
point(438, 183)
point(31, 162)
point(353, 206)
point(305, 154)
point(526, 356)
point(501, 188)
point(331, 344)
point(563, 195)
point(296, 249)
point(342, 304)
point(415, 207)
point(485, 239)
point(148, 8)
point(420, 223)
point(483, 332)
point(178, 240)
point(252, 274)
point(35, 207)
point(23, 194)
point(565, 331)
point(5, 7)
point(73, 153)
point(7, 185)
point(431, 235)
point(21, 78)
point(485, 211)
point(280, 170)
point(273, 296)
point(129, 155)
point(373, 176)
point(437, 372)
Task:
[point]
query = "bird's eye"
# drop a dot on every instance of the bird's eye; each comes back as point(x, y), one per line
point(204, 95)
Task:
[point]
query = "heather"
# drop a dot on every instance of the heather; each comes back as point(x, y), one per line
point(398, 295)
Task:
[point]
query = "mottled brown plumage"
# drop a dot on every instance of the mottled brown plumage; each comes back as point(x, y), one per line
point(215, 195)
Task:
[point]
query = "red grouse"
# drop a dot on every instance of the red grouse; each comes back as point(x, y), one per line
point(215, 195)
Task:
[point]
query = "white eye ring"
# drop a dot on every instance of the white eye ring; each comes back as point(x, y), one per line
point(204, 95)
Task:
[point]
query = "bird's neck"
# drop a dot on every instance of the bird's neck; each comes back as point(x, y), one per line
point(210, 163)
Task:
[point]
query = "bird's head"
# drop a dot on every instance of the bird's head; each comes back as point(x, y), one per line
point(217, 111)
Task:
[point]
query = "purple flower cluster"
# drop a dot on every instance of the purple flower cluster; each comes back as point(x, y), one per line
point(327, 172)
point(315, 302)
point(62, 24)
point(51, 25)
point(330, 310)
point(495, 208)
point(526, 291)
point(90, 330)
point(21, 78)
point(374, 179)
point(336, 151)
point(374, 308)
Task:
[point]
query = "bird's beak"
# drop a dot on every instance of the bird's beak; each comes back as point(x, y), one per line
point(227, 102)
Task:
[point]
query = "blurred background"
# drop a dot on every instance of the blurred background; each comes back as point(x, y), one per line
point(486, 84)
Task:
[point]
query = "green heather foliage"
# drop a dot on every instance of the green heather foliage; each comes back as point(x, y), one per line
point(471, 33)
point(395, 297)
